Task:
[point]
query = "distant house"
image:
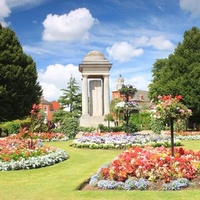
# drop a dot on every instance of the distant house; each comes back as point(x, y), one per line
point(48, 108)
point(141, 96)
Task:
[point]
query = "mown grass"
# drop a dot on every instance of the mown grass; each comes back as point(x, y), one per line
point(59, 182)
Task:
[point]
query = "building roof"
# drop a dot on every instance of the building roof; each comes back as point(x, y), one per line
point(141, 95)
point(44, 102)
point(95, 57)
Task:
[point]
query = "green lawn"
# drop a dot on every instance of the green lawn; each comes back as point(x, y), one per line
point(60, 181)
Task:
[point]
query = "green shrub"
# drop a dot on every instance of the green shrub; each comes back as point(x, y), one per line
point(157, 125)
point(86, 129)
point(132, 128)
point(9, 128)
point(142, 120)
point(69, 127)
point(103, 128)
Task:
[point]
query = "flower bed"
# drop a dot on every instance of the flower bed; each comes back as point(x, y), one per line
point(121, 141)
point(17, 153)
point(187, 135)
point(140, 168)
point(44, 136)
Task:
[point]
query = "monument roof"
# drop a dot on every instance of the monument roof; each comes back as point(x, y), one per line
point(95, 57)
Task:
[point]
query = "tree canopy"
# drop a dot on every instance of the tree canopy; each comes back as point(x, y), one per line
point(19, 88)
point(179, 74)
point(71, 97)
point(128, 91)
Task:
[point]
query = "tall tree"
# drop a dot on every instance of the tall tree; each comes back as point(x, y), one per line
point(19, 88)
point(180, 73)
point(71, 98)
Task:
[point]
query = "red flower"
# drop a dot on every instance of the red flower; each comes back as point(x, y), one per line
point(167, 97)
point(179, 97)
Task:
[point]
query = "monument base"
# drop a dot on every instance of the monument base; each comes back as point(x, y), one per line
point(92, 121)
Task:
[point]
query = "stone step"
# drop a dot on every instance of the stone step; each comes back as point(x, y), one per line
point(92, 121)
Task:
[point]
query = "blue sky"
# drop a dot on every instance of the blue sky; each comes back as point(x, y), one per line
point(132, 34)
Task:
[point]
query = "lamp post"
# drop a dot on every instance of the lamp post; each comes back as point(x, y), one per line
point(172, 135)
point(128, 91)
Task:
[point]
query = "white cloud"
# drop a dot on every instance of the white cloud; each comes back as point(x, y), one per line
point(123, 51)
point(7, 5)
point(37, 50)
point(140, 82)
point(55, 78)
point(24, 3)
point(4, 12)
point(142, 41)
point(191, 6)
point(159, 42)
point(68, 27)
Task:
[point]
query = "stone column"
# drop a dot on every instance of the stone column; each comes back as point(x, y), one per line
point(106, 95)
point(84, 95)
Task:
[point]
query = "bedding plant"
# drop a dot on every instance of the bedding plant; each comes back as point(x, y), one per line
point(26, 150)
point(121, 140)
point(149, 168)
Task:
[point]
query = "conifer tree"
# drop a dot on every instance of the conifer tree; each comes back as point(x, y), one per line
point(19, 88)
point(71, 98)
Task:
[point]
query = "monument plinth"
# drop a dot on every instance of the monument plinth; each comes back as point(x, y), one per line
point(95, 70)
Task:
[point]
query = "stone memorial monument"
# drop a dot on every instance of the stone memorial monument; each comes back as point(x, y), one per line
point(95, 89)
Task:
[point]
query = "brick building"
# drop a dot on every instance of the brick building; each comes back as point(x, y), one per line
point(48, 108)
point(140, 96)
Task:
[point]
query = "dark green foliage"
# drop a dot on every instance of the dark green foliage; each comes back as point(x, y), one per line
point(86, 129)
point(179, 74)
point(128, 91)
point(19, 88)
point(130, 129)
point(60, 115)
point(72, 98)
point(104, 129)
point(70, 127)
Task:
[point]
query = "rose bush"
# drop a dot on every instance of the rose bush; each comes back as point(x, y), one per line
point(169, 107)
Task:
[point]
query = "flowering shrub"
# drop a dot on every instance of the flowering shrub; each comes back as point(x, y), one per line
point(169, 107)
point(120, 141)
point(137, 167)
